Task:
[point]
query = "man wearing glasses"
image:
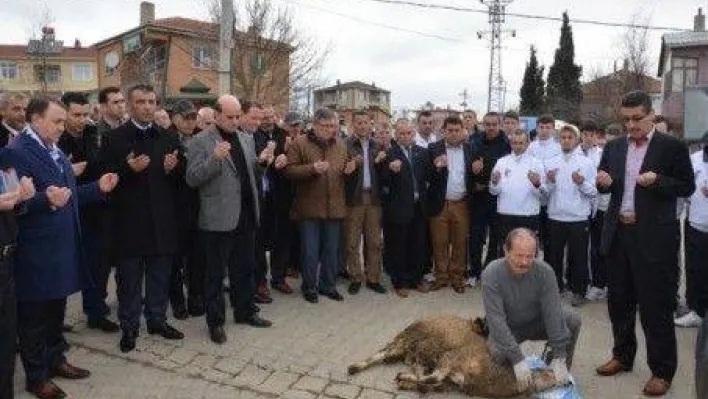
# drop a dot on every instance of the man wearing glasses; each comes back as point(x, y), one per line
point(645, 171)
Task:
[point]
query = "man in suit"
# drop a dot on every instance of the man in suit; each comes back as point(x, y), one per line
point(10, 206)
point(273, 199)
point(12, 112)
point(48, 265)
point(361, 187)
point(449, 195)
point(145, 226)
point(645, 172)
point(80, 144)
point(404, 180)
point(222, 165)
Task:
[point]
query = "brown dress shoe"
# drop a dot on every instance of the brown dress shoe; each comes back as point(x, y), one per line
point(402, 292)
point(438, 286)
point(46, 390)
point(66, 370)
point(613, 367)
point(423, 287)
point(460, 289)
point(656, 387)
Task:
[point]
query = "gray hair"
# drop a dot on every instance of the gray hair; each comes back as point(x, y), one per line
point(324, 114)
point(7, 96)
point(519, 233)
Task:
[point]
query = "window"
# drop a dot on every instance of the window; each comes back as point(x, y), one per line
point(684, 73)
point(154, 59)
point(8, 70)
point(50, 73)
point(259, 65)
point(203, 57)
point(81, 73)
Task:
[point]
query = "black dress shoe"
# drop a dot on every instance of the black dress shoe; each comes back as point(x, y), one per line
point(376, 287)
point(165, 331)
point(67, 328)
point(217, 335)
point(180, 312)
point(254, 321)
point(127, 341)
point(310, 297)
point(354, 288)
point(255, 308)
point(103, 324)
point(195, 307)
point(334, 295)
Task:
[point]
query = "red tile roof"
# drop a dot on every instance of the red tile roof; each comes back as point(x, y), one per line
point(187, 24)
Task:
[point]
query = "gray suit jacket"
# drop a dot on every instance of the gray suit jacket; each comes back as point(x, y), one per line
point(218, 180)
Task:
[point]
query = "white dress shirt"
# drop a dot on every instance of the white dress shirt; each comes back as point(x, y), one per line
point(516, 195)
point(567, 201)
point(13, 132)
point(602, 201)
point(698, 202)
point(544, 150)
point(421, 141)
point(456, 189)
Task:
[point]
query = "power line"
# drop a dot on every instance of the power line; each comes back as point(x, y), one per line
point(374, 23)
point(527, 16)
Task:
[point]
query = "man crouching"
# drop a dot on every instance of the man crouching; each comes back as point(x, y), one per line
point(522, 302)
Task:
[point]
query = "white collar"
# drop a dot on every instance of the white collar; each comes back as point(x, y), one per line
point(139, 126)
point(31, 132)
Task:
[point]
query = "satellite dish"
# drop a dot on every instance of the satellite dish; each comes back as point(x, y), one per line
point(112, 59)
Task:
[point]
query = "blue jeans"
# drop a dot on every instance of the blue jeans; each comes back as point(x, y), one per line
point(701, 374)
point(320, 247)
point(129, 276)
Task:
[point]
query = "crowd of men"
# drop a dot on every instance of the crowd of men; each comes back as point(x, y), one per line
point(178, 199)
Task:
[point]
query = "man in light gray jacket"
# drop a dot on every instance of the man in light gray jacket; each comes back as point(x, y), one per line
point(222, 164)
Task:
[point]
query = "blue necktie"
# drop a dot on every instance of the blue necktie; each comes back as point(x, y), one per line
point(56, 157)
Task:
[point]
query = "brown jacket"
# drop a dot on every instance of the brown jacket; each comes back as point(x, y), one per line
point(317, 196)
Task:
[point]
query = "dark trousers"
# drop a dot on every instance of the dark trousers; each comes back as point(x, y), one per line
point(8, 329)
point(544, 231)
point(264, 239)
point(696, 265)
point(404, 245)
point(507, 223)
point(41, 342)
point(286, 249)
point(320, 240)
point(228, 252)
point(575, 236)
point(187, 267)
point(129, 276)
point(643, 275)
point(598, 264)
point(93, 298)
point(483, 221)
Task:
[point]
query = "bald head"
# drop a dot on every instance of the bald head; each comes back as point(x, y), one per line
point(205, 118)
point(227, 113)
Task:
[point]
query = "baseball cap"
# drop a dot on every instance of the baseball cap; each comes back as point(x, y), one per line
point(292, 118)
point(184, 108)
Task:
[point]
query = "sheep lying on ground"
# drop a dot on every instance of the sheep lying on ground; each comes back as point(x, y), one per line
point(451, 352)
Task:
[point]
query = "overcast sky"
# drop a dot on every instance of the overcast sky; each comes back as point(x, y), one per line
point(415, 68)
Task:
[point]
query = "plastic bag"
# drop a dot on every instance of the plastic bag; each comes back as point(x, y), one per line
point(568, 391)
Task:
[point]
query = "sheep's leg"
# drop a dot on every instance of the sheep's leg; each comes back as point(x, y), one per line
point(436, 377)
point(388, 354)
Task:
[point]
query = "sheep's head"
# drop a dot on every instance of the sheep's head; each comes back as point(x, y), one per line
point(479, 325)
point(543, 380)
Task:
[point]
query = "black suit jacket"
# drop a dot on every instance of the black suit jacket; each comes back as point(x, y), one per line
point(353, 183)
point(144, 204)
point(437, 178)
point(281, 188)
point(398, 200)
point(654, 206)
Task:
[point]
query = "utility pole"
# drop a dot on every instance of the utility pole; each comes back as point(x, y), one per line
point(226, 45)
point(497, 17)
point(464, 96)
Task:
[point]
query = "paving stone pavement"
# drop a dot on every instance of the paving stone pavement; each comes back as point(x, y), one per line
point(305, 354)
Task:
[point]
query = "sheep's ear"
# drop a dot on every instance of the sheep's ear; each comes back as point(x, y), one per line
point(480, 325)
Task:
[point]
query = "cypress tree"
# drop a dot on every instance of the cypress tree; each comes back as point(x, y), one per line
point(532, 90)
point(563, 91)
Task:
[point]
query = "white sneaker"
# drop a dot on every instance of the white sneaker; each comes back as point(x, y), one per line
point(595, 294)
point(689, 320)
point(430, 278)
point(472, 282)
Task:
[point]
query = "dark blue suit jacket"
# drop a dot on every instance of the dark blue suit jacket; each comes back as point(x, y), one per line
point(47, 260)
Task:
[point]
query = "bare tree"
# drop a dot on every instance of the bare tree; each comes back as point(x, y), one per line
point(273, 58)
point(634, 47)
